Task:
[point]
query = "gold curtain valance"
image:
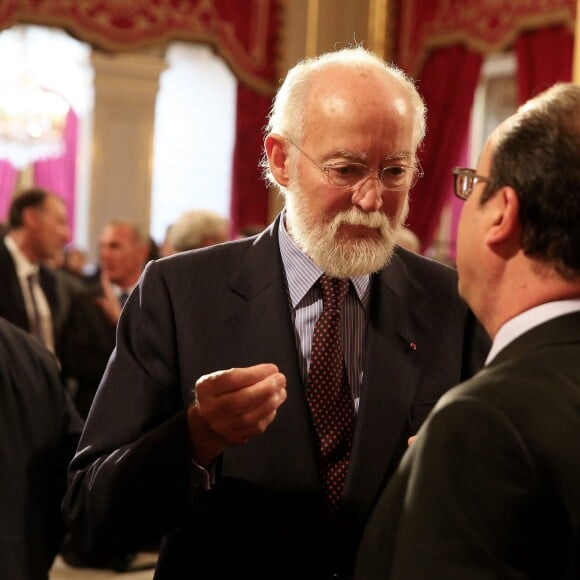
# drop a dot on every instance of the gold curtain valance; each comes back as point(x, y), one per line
point(244, 37)
point(483, 25)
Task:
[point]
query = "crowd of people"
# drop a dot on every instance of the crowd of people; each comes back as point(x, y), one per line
point(317, 400)
point(51, 301)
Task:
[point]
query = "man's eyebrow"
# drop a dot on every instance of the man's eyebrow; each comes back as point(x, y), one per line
point(363, 157)
point(400, 156)
point(348, 155)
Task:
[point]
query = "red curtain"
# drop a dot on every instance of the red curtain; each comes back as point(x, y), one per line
point(59, 175)
point(447, 83)
point(448, 76)
point(544, 57)
point(249, 203)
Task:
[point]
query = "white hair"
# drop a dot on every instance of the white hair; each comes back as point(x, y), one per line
point(287, 113)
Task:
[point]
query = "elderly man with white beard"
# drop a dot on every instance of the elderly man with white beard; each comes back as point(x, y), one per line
point(263, 391)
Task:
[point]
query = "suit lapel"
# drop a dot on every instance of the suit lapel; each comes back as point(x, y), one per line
point(262, 331)
point(397, 322)
point(12, 305)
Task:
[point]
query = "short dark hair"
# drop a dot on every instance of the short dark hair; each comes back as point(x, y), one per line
point(33, 197)
point(539, 156)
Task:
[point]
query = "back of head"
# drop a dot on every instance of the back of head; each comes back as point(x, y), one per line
point(197, 229)
point(538, 154)
point(287, 112)
point(133, 228)
point(29, 198)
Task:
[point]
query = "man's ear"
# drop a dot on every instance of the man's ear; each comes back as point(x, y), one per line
point(30, 217)
point(277, 158)
point(504, 217)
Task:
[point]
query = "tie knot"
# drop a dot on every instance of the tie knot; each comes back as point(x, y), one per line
point(334, 291)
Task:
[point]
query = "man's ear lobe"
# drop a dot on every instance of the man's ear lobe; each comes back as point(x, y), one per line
point(29, 217)
point(504, 221)
point(277, 158)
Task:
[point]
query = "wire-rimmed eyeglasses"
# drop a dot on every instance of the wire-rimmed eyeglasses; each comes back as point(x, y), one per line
point(352, 174)
point(464, 180)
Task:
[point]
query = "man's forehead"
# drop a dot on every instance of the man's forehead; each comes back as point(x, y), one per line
point(54, 204)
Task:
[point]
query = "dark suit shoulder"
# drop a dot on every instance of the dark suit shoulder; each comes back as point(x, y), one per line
point(432, 275)
point(204, 257)
point(17, 345)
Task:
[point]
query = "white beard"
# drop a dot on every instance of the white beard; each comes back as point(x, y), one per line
point(337, 256)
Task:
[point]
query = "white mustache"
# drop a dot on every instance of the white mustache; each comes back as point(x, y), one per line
point(354, 217)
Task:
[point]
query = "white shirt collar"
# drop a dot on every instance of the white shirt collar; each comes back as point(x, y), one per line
point(529, 319)
point(24, 267)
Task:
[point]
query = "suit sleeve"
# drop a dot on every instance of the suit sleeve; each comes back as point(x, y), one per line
point(129, 481)
point(452, 509)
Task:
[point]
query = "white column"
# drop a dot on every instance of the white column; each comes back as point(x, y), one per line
point(126, 87)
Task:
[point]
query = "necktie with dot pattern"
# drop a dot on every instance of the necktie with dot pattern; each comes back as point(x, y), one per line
point(328, 392)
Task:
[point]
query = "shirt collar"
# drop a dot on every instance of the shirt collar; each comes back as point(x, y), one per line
point(527, 320)
point(302, 273)
point(24, 267)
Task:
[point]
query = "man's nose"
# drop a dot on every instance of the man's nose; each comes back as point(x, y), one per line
point(369, 194)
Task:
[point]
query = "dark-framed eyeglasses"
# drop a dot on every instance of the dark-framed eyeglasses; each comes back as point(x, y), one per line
point(464, 180)
point(352, 174)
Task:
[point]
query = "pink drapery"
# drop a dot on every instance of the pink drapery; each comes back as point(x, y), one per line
point(59, 175)
point(8, 176)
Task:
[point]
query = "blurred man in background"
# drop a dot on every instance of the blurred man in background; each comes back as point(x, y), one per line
point(90, 332)
point(38, 232)
point(197, 229)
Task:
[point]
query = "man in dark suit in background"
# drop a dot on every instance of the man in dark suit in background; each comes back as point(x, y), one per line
point(491, 486)
point(38, 231)
point(39, 430)
point(236, 471)
point(90, 331)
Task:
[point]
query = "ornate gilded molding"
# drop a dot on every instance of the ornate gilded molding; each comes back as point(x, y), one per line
point(246, 39)
point(485, 26)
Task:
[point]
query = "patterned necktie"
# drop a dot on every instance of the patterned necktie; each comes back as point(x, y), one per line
point(36, 327)
point(328, 392)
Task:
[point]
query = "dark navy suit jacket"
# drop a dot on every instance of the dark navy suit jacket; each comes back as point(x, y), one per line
point(12, 305)
point(227, 306)
point(491, 486)
point(39, 431)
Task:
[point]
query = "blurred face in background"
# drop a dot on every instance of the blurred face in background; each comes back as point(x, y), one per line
point(48, 230)
point(122, 254)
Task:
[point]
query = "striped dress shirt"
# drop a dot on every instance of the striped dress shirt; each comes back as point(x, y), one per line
point(305, 299)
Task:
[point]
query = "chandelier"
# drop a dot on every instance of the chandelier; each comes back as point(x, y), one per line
point(32, 123)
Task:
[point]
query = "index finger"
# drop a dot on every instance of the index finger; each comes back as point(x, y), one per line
point(236, 378)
